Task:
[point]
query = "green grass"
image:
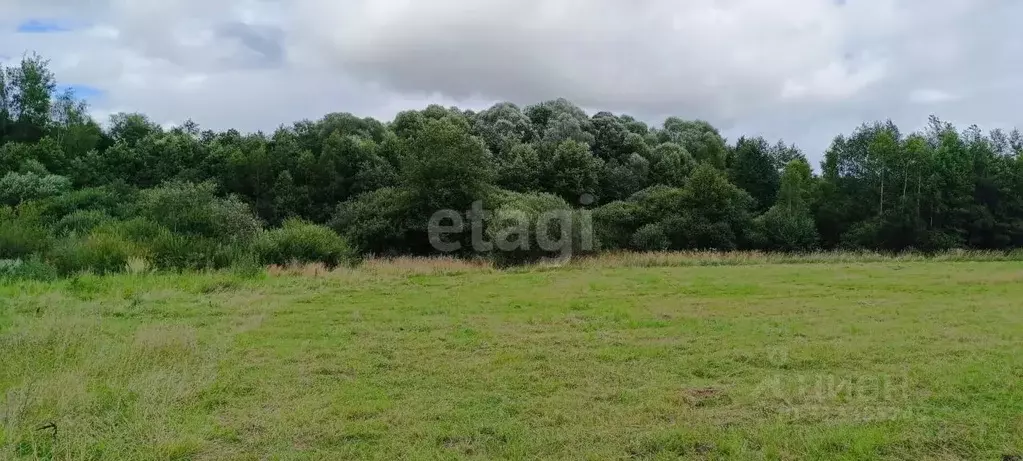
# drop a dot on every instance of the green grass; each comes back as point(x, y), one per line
point(885, 360)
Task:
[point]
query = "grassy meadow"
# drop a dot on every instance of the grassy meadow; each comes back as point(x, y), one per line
point(634, 359)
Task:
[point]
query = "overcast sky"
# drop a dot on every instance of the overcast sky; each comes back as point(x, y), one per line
point(802, 70)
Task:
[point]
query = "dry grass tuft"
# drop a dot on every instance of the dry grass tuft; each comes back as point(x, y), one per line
point(400, 266)
point(446, 265)
point(297, 269)
point(138, 266)
point(744, 258)
point(426, 265)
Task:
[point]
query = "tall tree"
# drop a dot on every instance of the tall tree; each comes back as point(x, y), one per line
point(446, 167)
point(28, 97)
point(572, 171)
point(755, 171)
point(699, 138)
point(789, 225)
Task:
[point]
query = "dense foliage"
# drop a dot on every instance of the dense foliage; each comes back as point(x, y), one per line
point(75, 195)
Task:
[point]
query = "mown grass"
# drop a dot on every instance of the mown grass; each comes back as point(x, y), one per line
point(896, 359)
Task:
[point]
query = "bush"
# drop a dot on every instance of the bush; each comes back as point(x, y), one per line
point(614, 224)
point(194, 209)
point(650, 237)
point(234, 220)
point(303, 242)
point(377, 222)
point(230, 254)
point(942, 241)
point(689, 231)
point(21, 235)
point(33, 269)
point(114, 200)
point(862, 235)
point(160, 247)
point(81, 222)
point(16, 188)
point(516, 225)
point(181, 252)
point(139, 230)
point(99, 252)
point(781, 230)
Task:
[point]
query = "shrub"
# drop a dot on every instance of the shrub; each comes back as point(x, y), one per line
point(942, 241)
point(226, 255)
point(516, 225)
point(862, 235)
point(114, 200)
point(170, 251)
point(234, 220)
point(303, 242)
point(614, 224)
point(181, 252)
point(783, 230)
point(33, 269)
point(650, 237)
point(159, 247)
point(377, 222)
point(99, 252)
point(16, 188)
point(21, 235)
point(689, 231)
point(194, 209)
point(138, 230)
point(81, 222)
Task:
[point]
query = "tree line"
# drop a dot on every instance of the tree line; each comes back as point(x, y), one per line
point(343, 186)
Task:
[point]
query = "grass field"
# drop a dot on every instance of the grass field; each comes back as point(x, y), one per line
point(881, 360)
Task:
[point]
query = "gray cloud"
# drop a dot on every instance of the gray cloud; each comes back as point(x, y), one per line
point(659, 55)
point(264, 43)
point(804, 70)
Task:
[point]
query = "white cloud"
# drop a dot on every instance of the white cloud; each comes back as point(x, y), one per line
point(930, 96)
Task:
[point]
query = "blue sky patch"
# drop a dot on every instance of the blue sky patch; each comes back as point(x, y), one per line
point(42, 26)
point(86, 92)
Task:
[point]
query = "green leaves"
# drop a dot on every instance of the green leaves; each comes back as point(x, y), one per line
point(572, 171)
point(755, 171)
point(379, 183)
point(16, 188)
point(297, 241)
point(789, 225)
point(446, 167)
point(195, 209)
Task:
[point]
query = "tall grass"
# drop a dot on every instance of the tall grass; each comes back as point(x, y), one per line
point(453, 266)
point(426, 265)
point(21, 236)
point(99, 252)
point(740, 258)
point(103, 252)
point(18, 270)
